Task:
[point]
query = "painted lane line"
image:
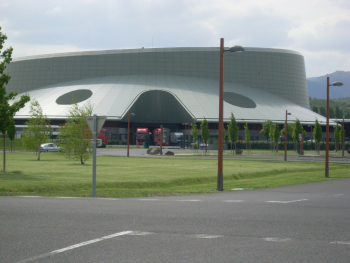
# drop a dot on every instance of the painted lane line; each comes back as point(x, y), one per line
point(339, 195)
point(276, 239)
point(232, 201)
point(140, 233)
point(340, 243)
point(76, 246)
point(286, 202)
point(207, 236)
point(148, 199)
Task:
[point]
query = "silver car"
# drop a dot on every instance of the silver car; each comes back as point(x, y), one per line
point(49, 147)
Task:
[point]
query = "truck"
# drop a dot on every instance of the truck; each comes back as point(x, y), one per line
point(166, 136)
point(141, 134)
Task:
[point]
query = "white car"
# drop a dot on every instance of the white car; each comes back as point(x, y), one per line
point(49, 147)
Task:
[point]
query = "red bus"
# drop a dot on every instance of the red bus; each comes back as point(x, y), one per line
point(141, 134)
point(166, 137)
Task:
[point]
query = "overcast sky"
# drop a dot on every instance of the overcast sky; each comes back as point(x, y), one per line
point(318, 29)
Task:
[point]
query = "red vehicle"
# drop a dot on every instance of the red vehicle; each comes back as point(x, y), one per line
point(103, 136)
point(166, 137)
point(141, 134)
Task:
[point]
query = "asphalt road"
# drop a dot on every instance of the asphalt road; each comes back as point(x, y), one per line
point(141, 152)
point(302, 223)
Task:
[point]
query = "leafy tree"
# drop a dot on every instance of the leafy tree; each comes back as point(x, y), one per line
point(315, 109)
point(323, 111)
point(247, 134)
point(331, 113)
point(290, 129)
point(205, 132)
point(317, 135)
point(347, 115)
point(11, 132)
point(39, 129)
point(233, 130)
point(76, 134)
point(194, 131)
point(7, 111)
point(265, 131)
point(298, 129)
point(338, 113)
point(337, 136)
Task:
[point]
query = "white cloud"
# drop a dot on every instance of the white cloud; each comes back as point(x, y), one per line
point(319, 29)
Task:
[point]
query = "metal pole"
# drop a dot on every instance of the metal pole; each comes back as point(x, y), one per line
point(161, 139)
point(127, 155)
point(94, 137)
point(311, 136)
point(327, 133)
point(343, 142)
point(285, 138)
point(221, 112)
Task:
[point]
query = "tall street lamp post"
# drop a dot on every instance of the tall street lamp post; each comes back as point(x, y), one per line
point(343, 145)
point(129, 114)
point(338, 83)
point(286, 136)
point(220, 178)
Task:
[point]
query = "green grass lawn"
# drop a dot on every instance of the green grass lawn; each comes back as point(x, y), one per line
point(137, 177)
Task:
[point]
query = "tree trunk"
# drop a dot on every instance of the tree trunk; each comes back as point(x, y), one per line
point(81, 159)
point(39, 155)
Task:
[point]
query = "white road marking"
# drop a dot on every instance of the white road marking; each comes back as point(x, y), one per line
point(340, 243)
point(76, 246)
point(276, 239)
point(339, 195)
point(237, 189)
point(139, 233)
point(232, 201)
point(207, 236)
point(287, 202)
point(146, 199)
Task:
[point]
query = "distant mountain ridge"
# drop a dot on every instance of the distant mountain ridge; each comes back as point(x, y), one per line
point(317, 86)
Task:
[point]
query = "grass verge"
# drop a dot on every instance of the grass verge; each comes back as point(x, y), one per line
point(139, 177)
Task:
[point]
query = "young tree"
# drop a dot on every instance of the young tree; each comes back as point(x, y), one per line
point(265, 131)
point(337, 136)
point(233, 130)
point(76, 134)
point(298, 129)
point(205, 132)
point(11, 132)
point(39, 129)
point(194, 131)
point(7, 111)
point(317, 135)
point(247, 134)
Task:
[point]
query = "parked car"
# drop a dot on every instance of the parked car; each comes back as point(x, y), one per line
point(49, 147)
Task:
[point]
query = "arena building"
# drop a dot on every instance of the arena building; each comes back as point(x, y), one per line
point(167, 86)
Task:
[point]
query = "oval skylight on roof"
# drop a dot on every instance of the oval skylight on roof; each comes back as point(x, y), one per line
point(74, 96)
point(238, 100)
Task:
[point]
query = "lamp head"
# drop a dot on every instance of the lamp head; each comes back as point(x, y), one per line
point(337, 83)
point(236, 49)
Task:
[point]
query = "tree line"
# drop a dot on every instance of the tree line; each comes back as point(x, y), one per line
point(334, 113)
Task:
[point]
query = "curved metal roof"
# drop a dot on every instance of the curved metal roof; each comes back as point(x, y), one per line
point(167, 99)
